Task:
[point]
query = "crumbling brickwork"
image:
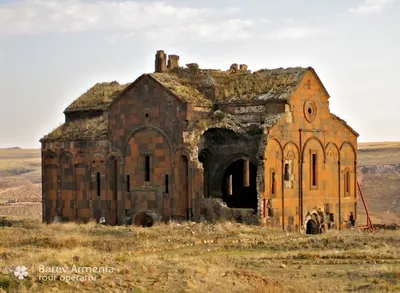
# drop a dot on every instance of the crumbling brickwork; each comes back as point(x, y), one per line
point(190, 143)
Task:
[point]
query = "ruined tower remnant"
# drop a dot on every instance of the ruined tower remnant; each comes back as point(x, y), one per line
point(161, 61)
point(173, 61)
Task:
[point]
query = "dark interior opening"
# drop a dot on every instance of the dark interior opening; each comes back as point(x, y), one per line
point(144, 219)
point(286, 175)
point(98, 183)
point(166, 183)
point(242, 197)
point(273, 183)
point(128, 183)
point(147, 169)
point(312, 227)
point(314, 170)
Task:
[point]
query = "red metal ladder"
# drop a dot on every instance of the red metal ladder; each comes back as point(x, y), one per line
point(369, 225)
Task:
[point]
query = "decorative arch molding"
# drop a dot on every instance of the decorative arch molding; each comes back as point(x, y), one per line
point(50, 155)
point(351, 146)
point(182, 151)
point(310, 140)
point(268, 144)
point(98, 156)
point(333, 145)
point(182, 148)
point(291, 143)
point(66, 155)
point(81, 158)
point(144, 128)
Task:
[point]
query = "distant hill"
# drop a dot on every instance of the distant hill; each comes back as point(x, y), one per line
point(379, 175)
point(14, 148)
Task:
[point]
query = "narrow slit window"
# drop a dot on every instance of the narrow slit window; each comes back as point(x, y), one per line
point(314, 170)
point(147, 169)
point(347, 182)
point(98, 183)
point(273, 183)
point(128, 183)
point(287, 172)
point(166, 183)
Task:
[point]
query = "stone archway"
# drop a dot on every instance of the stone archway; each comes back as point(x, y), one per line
point(312, 227)
point(239, 186)
point(218, 149)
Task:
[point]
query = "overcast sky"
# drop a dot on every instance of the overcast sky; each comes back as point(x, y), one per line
point(53, 51)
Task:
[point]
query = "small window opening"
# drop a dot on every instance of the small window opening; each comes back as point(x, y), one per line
point(309, 111)
point(147, 169)
point(287, 173)
point(98, 183)
point(314, 170)
point(147, 115)
point(347, 182)
point(273, 183)
point(166, 183)
point(128, 183)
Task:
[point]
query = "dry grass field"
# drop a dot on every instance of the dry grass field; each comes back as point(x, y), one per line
point(20, 183)
point(190, 257)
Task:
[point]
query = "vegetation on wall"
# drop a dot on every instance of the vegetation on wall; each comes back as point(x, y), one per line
point(83, 129)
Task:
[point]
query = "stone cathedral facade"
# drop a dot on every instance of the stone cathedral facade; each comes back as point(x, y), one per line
point(196, 144)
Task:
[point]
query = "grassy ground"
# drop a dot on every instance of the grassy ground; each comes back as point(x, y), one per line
point(193, 257)
point(197, 257)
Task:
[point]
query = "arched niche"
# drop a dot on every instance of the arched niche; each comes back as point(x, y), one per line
point(66, 201)
point(273, 169)
point(82, 187)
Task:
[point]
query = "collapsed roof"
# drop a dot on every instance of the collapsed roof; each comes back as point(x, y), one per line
point(200, 87)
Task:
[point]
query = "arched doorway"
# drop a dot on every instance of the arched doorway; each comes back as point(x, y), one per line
point(235, 191)
point(311, 227)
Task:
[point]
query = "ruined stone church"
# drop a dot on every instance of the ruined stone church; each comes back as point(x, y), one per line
point(196, 144)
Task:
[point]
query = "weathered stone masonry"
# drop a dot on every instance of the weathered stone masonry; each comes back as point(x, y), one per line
point(202, 144)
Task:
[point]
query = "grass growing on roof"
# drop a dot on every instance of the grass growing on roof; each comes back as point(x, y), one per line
point(83, 129)
point(97, 98)
point(217, 85)
point(185, 92)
